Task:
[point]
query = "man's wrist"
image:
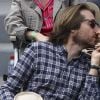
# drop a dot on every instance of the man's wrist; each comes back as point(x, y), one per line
point(94, 70)
point(95, 67)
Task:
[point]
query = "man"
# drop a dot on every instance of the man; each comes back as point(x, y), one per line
point(30, 20)
point(58, 70)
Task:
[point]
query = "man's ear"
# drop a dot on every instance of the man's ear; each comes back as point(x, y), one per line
point(73, 31)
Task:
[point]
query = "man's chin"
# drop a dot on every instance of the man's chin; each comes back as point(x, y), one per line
point(90, 46)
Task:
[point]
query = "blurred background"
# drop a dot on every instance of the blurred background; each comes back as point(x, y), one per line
point(6, 47)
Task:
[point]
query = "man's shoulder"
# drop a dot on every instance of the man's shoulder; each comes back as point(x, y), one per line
point(42, 45)
point(43, 48)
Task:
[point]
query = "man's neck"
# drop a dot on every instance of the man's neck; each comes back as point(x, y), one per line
point(73, 50)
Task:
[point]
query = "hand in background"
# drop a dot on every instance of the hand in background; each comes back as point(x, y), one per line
point(37, 36)
point(41, 37)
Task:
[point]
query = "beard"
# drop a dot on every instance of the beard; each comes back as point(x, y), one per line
point(83, 42)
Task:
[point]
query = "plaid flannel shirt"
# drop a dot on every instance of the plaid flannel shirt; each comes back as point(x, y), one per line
point(47, 72)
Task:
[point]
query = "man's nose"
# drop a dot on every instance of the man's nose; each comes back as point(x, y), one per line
point(97, 30)
point(98, 33)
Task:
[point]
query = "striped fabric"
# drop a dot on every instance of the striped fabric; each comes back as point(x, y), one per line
point(47, 14)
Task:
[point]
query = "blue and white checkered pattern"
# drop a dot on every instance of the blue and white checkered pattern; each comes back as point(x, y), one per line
point(47, 72)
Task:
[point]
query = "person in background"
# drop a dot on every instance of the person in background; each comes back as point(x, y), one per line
point(97, 2)
point(31, 20)
point(58, 69)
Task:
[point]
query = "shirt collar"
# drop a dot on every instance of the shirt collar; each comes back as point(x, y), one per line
point(62, 51)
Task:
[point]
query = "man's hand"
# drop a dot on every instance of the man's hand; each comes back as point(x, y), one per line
point(95, 62)
point(41, 37)
point(95, 57)
point(32, 35)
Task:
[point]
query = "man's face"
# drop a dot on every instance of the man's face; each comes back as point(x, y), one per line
point(87, 33)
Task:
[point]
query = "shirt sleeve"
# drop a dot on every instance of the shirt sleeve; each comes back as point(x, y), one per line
point(14, 21)
point(19, 75)
point(91, 89)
